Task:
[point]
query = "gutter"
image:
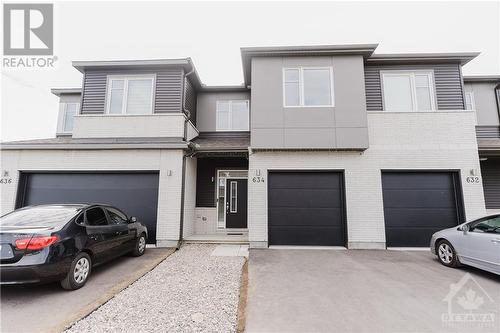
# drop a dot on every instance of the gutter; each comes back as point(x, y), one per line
point(184, 155)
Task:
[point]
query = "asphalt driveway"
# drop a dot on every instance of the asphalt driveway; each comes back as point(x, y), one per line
point(49, 308)
point(367, 291)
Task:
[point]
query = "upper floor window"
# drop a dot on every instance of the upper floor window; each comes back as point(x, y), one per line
point(70, 110)
point(130, 94)
point(408, 91)
point(308, 86)
point(232, 115)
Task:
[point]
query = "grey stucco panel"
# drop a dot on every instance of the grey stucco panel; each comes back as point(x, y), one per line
point(206, 120)
point(343, 126)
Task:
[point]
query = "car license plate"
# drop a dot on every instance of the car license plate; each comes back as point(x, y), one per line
point(6, 251)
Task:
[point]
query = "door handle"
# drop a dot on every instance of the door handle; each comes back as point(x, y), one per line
point(496, 241)
point(227, 207)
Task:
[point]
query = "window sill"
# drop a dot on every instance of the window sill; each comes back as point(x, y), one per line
point(421, 112)
point(308, 106)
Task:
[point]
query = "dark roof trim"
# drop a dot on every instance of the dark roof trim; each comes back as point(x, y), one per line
point(461, 58)
point(238, 88)
point(482, 78)
point(247, 53)
point(62, 91)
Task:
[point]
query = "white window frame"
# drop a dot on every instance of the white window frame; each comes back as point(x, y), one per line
point(231, 101)
point(411, 74)
point(65, 109)
point(301, 87)
point(126, 79)
point(225, 174)
point(472, 103)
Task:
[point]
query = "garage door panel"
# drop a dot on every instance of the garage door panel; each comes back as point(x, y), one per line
point(412, 198)
point(422, 217)
point(418, 180)
point(134, 193)
point(306, 208)
point(304, 198)
point(318, 236)
point(282, 216)
point(417, 204)
point(307, 180)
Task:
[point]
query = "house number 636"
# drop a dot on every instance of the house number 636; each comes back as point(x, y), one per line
point(258, 179)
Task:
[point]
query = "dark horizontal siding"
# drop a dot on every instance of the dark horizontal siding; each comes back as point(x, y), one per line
point(490, 170)
point(206, 171)
point(168, 93)
point(488, 132)
point(447, 78)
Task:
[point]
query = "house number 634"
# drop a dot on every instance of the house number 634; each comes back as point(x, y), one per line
point(258, 179)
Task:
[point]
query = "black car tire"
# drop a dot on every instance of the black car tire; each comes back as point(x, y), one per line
point(140, 246)
point(73, 280)
point(446, 254)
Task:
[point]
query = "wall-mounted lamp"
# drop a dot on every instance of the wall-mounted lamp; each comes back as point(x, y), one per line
point(169, 173)
point(257, 172)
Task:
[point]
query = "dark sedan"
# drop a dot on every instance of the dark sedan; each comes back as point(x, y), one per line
point(49, 243)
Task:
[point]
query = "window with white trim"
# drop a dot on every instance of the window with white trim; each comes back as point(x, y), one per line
point(308, 86)
point(232, 115)
point(408, 91)
point(130, 94)
point(70, 110)
point(469, 101)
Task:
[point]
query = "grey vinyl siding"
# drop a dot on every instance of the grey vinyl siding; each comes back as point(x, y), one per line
point(490, 170)
point(168, 90)
point(488, 132)
point(190, 99)
point(447, 78)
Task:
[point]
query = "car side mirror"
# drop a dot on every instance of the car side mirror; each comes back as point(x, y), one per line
point(132, 219)
point(465, 228)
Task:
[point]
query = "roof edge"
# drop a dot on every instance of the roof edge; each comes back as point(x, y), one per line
point(82, 65)
point(60, 91)
point(482, 78)
point(461, 57)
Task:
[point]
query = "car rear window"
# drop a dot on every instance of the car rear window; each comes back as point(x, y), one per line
point(47, 216)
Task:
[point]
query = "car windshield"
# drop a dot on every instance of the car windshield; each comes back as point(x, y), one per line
point(42, 216)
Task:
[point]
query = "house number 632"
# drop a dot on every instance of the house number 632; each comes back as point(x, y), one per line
point(258, 179)
point(472, 180)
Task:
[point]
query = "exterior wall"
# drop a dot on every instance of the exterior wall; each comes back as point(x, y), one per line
point(343, 126)
point(189, 197)
point(63, 99)
point(190, 99)
point(192, 131)
point(205, 221)
point(127, 126)
point(207, 108)
point(447, 78)
point(485, 101)
point(167, 93)
point(437, 141)
point(169, 194)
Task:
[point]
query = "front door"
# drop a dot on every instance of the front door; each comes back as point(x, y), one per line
point(236, 203)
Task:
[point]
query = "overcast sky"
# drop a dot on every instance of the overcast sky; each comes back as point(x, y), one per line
point(211, 33)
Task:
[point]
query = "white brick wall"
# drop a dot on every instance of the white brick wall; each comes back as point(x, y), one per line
point(413, 141)
point(127, 126)
point(104, 160)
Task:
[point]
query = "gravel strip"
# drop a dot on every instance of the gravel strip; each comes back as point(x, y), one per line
point(190, 291)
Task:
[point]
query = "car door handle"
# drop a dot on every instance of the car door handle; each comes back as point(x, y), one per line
point(496, 241)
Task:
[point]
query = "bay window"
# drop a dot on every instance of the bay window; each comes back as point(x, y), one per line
point(130, 94)
point(408, 91)
point(308, 86)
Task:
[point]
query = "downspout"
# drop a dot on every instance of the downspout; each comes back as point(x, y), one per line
point(184, 156)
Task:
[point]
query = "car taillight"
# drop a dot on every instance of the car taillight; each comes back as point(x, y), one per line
point(35, 242)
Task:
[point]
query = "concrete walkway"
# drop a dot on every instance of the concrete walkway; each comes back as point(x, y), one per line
point(365, 291)
point(49, 308)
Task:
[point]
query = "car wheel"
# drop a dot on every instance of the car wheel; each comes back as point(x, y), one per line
point(447, 254)
point(78, 273)
point(140, 246)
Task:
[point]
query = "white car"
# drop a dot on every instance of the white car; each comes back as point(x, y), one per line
point(475, 243)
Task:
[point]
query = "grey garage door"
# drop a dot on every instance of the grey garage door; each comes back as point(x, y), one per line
point(134, 193)
point(417, 204)
point(306, 208)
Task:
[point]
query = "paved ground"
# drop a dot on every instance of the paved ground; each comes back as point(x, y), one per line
point(49, 308)
point(365, 291)
point(194, 290)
